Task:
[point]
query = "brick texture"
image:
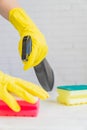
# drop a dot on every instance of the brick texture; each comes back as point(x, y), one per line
point(64, 24)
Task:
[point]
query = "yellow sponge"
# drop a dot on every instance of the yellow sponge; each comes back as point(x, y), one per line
point(72, 95)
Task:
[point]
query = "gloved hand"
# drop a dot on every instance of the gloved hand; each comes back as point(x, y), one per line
point(20, 88)
point(26, 27)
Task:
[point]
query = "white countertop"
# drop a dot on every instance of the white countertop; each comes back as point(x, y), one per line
point(52, 116)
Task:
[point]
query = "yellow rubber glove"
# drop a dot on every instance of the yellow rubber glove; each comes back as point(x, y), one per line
point(21, 88)
point(26, 27)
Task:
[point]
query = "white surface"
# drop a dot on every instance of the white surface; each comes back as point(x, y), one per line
point(52, 116)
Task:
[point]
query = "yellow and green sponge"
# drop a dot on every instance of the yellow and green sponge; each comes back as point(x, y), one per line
point(72, 94)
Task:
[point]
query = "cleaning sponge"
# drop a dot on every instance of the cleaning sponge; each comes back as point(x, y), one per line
point(27, 109)
point(72, 94)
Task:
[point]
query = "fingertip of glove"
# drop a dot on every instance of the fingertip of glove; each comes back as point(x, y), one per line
point(26, 67)
point(16, 108)
point(32, 101)
point(46, 96)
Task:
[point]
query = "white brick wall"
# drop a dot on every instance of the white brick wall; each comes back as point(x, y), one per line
point(64, 24)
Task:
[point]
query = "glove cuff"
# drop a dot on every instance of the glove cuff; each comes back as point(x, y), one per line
point(21, 21)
